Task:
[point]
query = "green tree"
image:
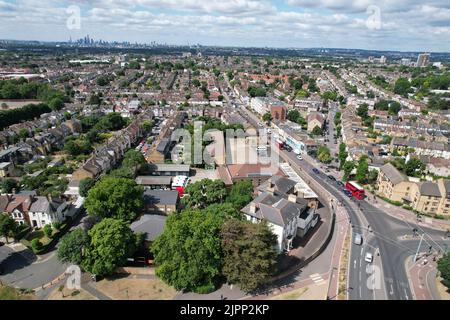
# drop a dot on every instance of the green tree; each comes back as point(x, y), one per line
point(294, 116)
point(8, 184)
point(348, 168)
point(111, 243)
point(362, 170)
point(414, 167)
point(317, 131)
point(267, 117)
point(36, 245)
point(133, 160)
point(323, 154)
point(71, 246)
point(362, 111)
point(402, 87)
point(249, 253)
point(241, 194)
point(85, 185)
point(56, 103)
point(343, 154)
point(188, 254)
point(116, 198)
point(48, 231)
point(443, 266)
point(373, 176)
point(7, 226)
point(202, 193)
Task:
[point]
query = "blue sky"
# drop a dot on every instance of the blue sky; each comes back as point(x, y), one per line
point(367, 24)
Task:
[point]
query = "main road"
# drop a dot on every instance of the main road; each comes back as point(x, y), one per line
point(389, 239)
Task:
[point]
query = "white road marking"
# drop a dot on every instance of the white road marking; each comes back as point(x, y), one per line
point(354, 264)
point(406, 295)
point(392, 290)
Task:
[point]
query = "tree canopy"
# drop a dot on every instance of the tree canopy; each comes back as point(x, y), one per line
point(241, 194)
point(111, 243)
point(113, 197)
point(249, 253)
point(202, 193)
point(188, 252)
point(71, 246)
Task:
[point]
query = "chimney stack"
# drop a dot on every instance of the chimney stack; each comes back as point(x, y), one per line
point(292, 198)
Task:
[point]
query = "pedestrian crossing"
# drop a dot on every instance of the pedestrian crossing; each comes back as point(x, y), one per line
point(317, 278)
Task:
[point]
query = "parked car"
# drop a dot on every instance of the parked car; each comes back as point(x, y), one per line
point(348, 193)
point(316, 171)
point(340, 183)
point(358, 239)
point(2, 243)
point(369, 257)
point(299, 158)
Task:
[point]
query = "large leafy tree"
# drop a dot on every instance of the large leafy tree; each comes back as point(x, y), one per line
point(188, 253)
point(85, 185)
point(115, 198)
point(70, 249)
point(133, 160)
point(8, 184)
point(323, 154)
point(414, 167)
point(443, 266)
point(343, 154)
point(249, 253)
point(111, 243)
point(267, 116)
point(205, 192)
point(241, 194)
point(362, 170)
point(7, 226)
point(348, 168)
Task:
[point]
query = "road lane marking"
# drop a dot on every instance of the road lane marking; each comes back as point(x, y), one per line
point(392, 290)
point(354, 264)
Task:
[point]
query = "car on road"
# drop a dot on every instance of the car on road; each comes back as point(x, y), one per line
point(331, 177)
point(299, 158)
point(287, 148)
point(2, 243)
point(358, 239)
point(340, 183)
point(369, 257)
point(348, 193)
point(316, 171)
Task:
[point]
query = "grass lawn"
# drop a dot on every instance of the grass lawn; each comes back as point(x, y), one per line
point(9, 293)
point(444, 291)
point(292, 295)
point(62, 293)
point(39, 234)
point(131, 288)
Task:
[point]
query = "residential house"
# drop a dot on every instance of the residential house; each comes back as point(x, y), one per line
point(287, 218)
point(315, 119)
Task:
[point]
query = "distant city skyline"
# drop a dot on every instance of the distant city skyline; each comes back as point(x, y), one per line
point(408, 25)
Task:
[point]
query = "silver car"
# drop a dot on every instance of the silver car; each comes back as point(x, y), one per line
point(358, 239)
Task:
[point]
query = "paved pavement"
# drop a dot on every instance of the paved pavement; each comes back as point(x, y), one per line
point(422, 277)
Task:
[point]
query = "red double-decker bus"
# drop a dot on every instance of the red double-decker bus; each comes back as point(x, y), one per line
point(356, 190)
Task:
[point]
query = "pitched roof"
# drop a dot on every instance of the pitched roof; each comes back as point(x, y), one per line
point(162, 197)
point(275, 209)
point(429, 189)
point(151, 224)
point(393, 174)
